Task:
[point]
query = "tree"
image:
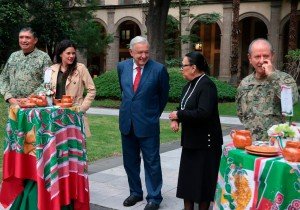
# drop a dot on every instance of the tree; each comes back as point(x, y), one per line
point(292, 65)
point(156, 25)
point(53, 20)
point(293, 25)
point(234, 42)
point(86, 33)
point(12, 17)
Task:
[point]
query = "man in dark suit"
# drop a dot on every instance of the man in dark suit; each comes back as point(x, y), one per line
point(145, 87)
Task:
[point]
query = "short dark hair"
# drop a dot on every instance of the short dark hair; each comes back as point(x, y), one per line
point(29, 29)
point(196, 58)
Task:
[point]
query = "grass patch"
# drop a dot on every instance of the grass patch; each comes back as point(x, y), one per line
point(106, 138)
point(225, 108)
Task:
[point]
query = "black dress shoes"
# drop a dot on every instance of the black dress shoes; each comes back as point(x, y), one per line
point(132, 200)
point(151, 206)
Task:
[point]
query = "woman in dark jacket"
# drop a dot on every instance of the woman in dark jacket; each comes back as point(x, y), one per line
point(201, 137)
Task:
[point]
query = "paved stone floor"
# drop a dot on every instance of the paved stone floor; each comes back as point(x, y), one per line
point(108, 180)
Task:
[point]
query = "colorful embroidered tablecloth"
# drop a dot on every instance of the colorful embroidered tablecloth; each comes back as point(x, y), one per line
point(46, 145)
point(247, 181)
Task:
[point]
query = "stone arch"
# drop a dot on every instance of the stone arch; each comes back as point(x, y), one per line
point(208, 39)
point(98, 20)
point(194, 20)
point(125, 29)
point(97, 63)
point(283, 36)
point(122, 20)
point(257, 15)
point(252, 25)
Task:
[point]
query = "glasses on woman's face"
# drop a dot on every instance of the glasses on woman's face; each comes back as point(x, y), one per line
point(184, 65)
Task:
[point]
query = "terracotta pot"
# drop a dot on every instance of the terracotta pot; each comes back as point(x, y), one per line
point(66, 99)
point(241, 138)
point(291, 154)
point(41, 102)
point(32, 100)
point(293, 144)
point(56, 101)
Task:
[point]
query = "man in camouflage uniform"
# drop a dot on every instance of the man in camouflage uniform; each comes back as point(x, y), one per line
point(258, 95)
point(24, 70)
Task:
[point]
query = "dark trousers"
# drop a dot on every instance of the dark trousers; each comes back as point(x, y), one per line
point(149, 146)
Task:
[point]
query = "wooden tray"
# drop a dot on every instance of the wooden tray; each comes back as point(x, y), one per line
point(262, 149)
point(263, 154)
point(27, 105)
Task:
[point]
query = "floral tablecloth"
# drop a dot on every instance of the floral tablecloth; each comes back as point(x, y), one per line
point(247, 181)
point(46, 145)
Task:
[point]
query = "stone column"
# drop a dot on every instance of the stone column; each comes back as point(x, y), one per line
point(112, 56)
point(273, 33)
point(225, 43)
point(185, 30)
point(144, 28)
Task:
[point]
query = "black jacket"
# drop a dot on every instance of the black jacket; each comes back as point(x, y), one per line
point(201, 127)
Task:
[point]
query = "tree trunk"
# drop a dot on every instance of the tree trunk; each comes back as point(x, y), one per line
point(234, 43)
point(156, 25)
point(293, 25)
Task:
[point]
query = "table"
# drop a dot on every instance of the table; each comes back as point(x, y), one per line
point(46, 145)
point(247, 181)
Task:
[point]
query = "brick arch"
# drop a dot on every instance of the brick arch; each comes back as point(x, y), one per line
point(122, 20)
point(257, 15)
point(195, 21)
point(98, 20)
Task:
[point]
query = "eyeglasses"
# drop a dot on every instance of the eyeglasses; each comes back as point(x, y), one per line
point(181, 68)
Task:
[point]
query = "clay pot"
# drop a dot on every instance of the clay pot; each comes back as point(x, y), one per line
point(291, 154)
point(33, 100)
point(56, 101)
point(293, 144)
point(41, 102)
point(66, 99)
point(241, 138)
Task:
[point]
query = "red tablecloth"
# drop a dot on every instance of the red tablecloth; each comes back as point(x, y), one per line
point(46, 145)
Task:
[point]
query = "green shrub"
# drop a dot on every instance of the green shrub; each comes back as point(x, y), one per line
point(107, 86)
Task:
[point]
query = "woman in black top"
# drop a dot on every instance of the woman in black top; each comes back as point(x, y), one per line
point(201, 137)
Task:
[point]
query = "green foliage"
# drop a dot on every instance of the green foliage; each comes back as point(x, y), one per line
point(226, 92)
point(90, 38)
point(107, 86)
point(53, 20)
point(171, 40)
point(173, 62)
point(12, 17)
point(293, 55)
point(292, 66)
point(209, 18)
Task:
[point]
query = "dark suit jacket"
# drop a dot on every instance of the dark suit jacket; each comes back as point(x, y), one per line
point(201, 127)
point(143, 108)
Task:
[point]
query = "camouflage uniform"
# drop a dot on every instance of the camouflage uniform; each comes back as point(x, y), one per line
point(258, 102)
point(23, 74)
